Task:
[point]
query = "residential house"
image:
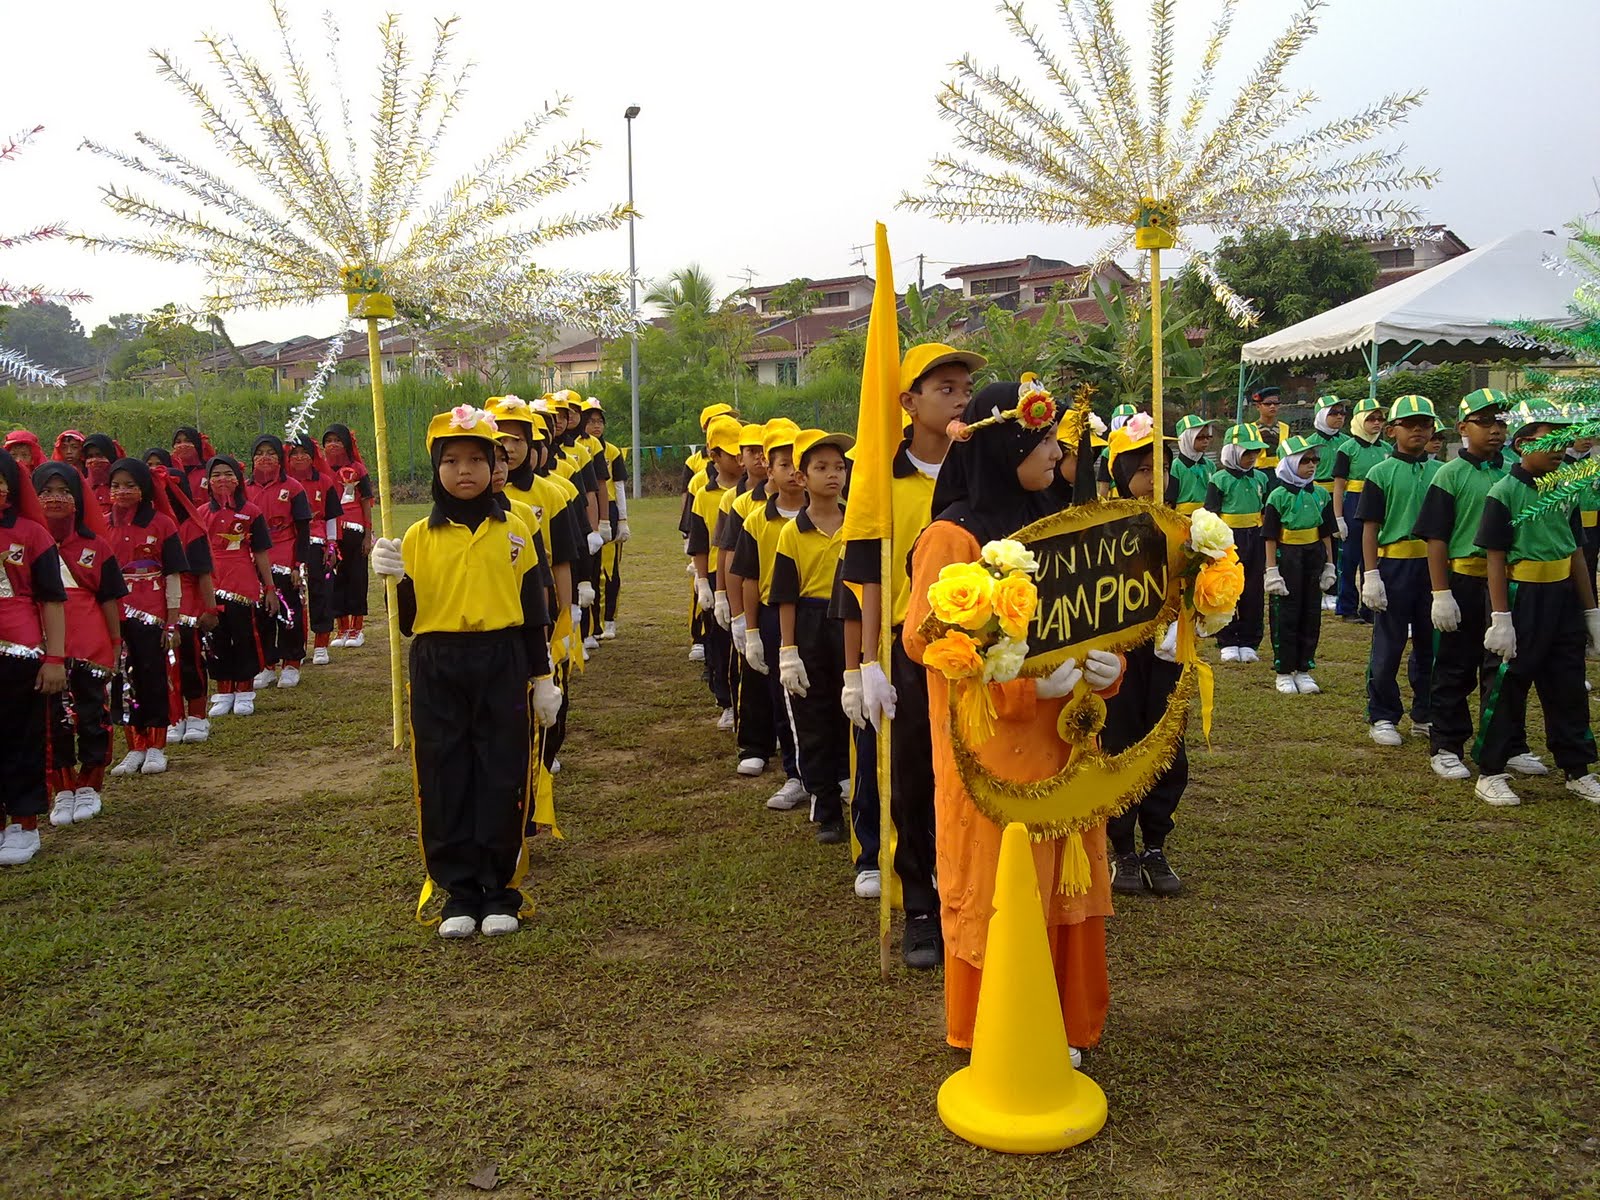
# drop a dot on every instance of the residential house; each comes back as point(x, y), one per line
point(1430, 247)
point(844, 294)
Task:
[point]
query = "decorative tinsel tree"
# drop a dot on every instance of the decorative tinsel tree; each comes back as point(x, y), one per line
point(305, 208)
point(1108, 152)
point(13, 363)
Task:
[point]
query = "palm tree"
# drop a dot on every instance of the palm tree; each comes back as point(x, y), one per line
point(689, 297)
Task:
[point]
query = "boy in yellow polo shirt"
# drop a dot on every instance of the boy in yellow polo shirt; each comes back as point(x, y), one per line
point(471, 600)
point(722, 450)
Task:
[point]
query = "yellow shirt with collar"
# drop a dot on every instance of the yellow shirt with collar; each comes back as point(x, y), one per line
point(468, 580)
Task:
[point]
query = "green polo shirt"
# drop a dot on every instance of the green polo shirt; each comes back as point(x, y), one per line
point(1393, 496)
point(1354, 459)
point(1295, 508)
point(1550, 536)
point(1233, 492)
point(1452, 509)
point(1189, 478)
point(1327, 445)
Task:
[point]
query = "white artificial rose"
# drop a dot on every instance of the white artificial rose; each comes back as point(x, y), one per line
point(1209, 534)
point(1004, 659)
point(1007, 555)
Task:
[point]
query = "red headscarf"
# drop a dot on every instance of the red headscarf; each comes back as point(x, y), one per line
point(169, 497)
point(22, 437)
point(21, 495)
point(57, 453)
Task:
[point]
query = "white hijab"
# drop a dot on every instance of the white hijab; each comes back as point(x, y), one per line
point(1320, 421)
point(1287, 471)
point(1231, 456)
point(1186, 441)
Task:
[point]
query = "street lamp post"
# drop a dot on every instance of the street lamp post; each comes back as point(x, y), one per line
point(633, 305)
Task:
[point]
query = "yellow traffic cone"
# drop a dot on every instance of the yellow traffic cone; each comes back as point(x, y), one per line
point(1020, 1094)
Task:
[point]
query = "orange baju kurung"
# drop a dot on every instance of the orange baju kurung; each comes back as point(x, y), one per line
point(1025, 747)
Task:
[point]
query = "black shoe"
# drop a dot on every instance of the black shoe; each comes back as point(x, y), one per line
point(1126, 874)
point(923, 944)
point(830, 833)
point(1159, 876)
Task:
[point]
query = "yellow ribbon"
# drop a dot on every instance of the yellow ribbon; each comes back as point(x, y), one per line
point(1189, 653)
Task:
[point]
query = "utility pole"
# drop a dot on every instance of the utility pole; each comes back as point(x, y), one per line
point(633, 306)
point(920, 257)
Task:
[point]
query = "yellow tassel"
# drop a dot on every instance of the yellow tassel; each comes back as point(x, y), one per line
point(975, 711)
point(1073, 877)
point(422, 900)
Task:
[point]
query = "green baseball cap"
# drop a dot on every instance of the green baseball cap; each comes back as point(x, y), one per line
point(1244, 437)
point(1481, 399)
point(1326, 402)
point(1370, 404)
point(1535, 410)
point(1124, 410)
point(1192, 421)
point(1412, 406)
point(1298, 445)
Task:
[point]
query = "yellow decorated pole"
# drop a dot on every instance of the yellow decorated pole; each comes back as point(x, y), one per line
point(365, 297)
point(885, 774)
point(1155, 230)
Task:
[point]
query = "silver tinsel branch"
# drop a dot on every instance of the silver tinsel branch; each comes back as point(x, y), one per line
point(300, 418)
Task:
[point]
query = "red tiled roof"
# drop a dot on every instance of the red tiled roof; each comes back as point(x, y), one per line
point(588, 351)
point(966, 269)
point(815, 283)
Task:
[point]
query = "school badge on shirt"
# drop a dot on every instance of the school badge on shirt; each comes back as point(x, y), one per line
point(516, 546)
point(86, 557)
point(15, 554)
point(283, 495)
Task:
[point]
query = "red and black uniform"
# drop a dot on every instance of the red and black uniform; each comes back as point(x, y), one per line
point(355, 498)
point(282, 501)
point(30, 576)
point(323, 494)
point(187, 683)
point(97, 470)
point(80, 717)
point(191, 451)
point(144, 537)
point(235, 533)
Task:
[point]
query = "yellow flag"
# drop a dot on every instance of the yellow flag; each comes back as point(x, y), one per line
point(867, 515)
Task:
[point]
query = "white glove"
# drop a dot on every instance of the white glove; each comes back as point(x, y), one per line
point(791, 671)
point(852, 700)
point(595, 542)
point(1272, 583)
point(1344, 530)
point(738, 627)
point(1102, 669)
point(1167, 647)
point(689, 566)
point(1446, 612)
point(754, 653)
point(702, 592)
point(623, 532)
point(721, 611)
point(546, 701)
point(878, 696)
point(1330, 576)
point(605, 531)
point(577, 621)
point(386, 558)
point(1500, 638)
point(1372, 591)
point(1059, 682)
point(1591, 621)
point(585, 593)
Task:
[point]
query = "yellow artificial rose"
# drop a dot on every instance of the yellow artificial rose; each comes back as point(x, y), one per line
point(1219, 584)
point(955, 656)
point(1209, 534)
point(1015, 599)
point(1008, 554)
point(963, 595)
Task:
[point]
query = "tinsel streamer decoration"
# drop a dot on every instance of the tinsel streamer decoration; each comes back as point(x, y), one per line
point(1103, 144)
point(13, 363)
point(300, 419)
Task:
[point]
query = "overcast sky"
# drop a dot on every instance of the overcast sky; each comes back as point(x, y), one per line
point(773, 136)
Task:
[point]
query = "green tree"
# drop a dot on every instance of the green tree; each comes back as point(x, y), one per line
point(48, 333)
point(689, 299)
point(1015, 344)
point(1287, 278)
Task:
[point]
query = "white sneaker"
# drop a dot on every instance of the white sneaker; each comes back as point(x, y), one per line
point(358, 638)
point(61, 810)
point(265, 679)
point(591, 642)
point(752, 765)
point(1385, 734)
point(131, 763)
point(1329, 603)
point(221, 705)
point(725, 721)
point(155, 761)
point(1527, 763)
point(319, 656)
point(290, 677)
point(499, 923)
point(697, 653)
point(1496, 790)
point(1248, 655)
point(458, 927)
point(1230, 654)
point(869, 884)
point(85, 804)
point(791, 795)
point(175, 730)
point(608, 632)
point(1449, 766)
point(1285, 684)
point(198, 730)
point(337, 640)
point(1588, 788)
point(1077, 1058)
point(1306, 685)
point(244, 704)
point(18, 845)
point(555, 766)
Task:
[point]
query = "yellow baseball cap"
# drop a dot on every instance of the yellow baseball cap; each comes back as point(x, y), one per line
point(811, 439)
point(711, 411)
point(462, 421)
point(919, 360)
point(780, 432)
point(723, 434)
point(752, 435)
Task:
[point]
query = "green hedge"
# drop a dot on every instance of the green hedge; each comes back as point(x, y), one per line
point(1443, 385)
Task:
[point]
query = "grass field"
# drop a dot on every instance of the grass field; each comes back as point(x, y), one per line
point(1374, 986)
